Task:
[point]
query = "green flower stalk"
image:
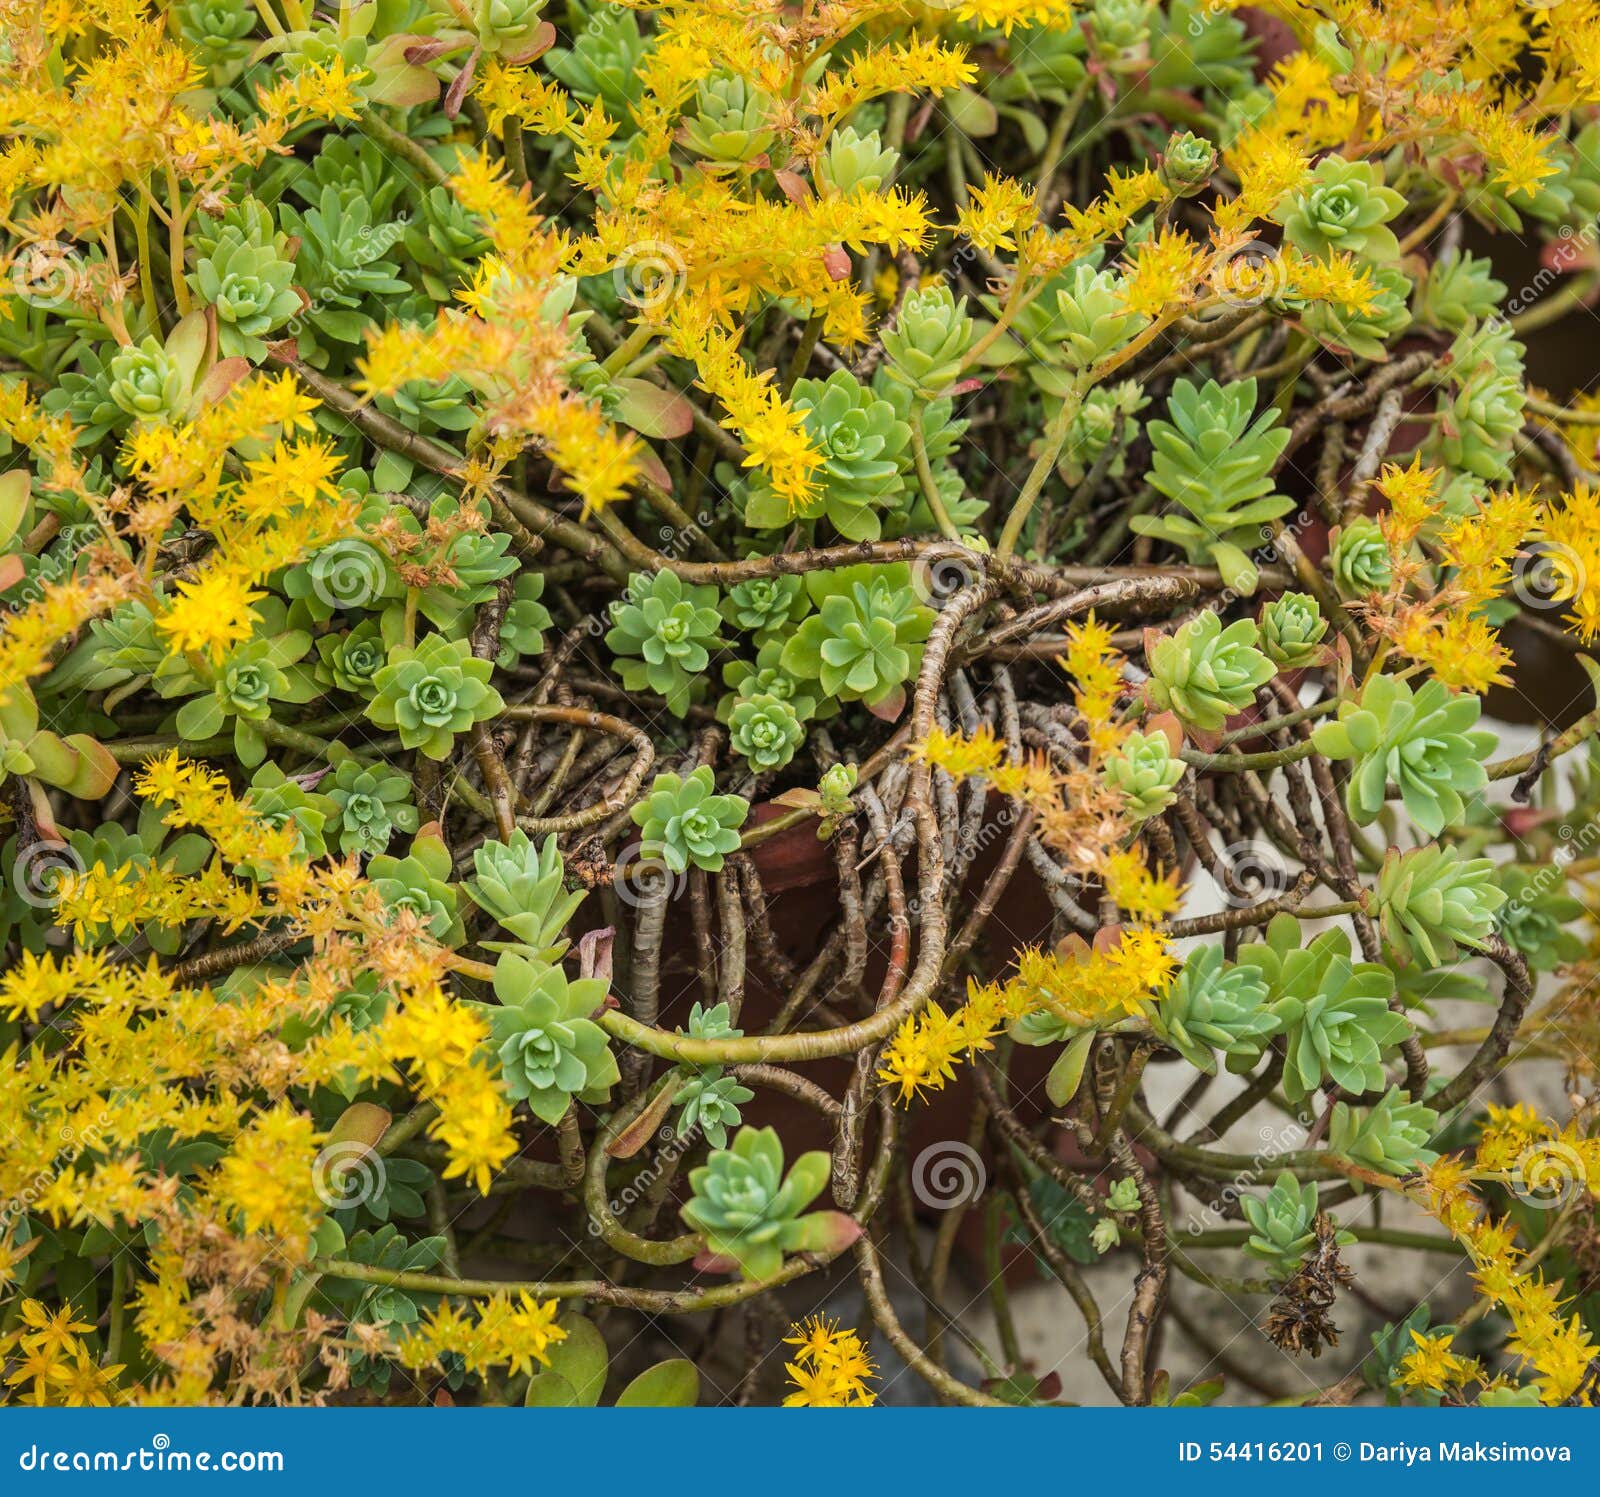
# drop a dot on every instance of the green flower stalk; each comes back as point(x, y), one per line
point(1432, 902)
point(433, 692)
point(752, 1213)
point(925, 346)
point(1205, 673)
point(865, 640)
point(861, 440)
point(373, 804)
point(1344, 207)
point(1213, 1005)
point(1283, 1224)
point(1292, 630)
point(1079, 317)
point(662, 634)
point(765, 730)
point(1391, 1137)
point(1360, 559)
point(1422, 741)
point(1216, 462)
point(730, 122)
point(522, 887)
point(550, 1049)
point(1146, 770)
point(250, 286)
point(683, 821)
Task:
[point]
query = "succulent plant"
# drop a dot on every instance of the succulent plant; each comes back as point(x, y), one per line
point(1205, 673)
point(1392, 1137)
point(373, 804)
point(1459, 291)
point(662, 634)
point(860, 439)
point(1422, 741)
point(605, 63)
point(420, 882)
point(1432, 901)
point(765, 730)
point(1079, 317)
point(731, 122)
point(1360, 559)
point(1103, 420)
point(1360, 332)
point(511, 28)
point(351, 659)
point(344, 240)
point(250, 678)
point(766, 677)
point(1342, 207)
point(250, 286)
point(526, 619)
point(550, 1049)
point(853, 162)
point(1480, 413)
point(277, 801)
point(710, 1103)
point(218, 32)
point(1292, 630)
point(752, 1213)
point(1538, 916)
point(925, 346)
point(1332, 1012)
point(1283, 1223)
point(446, 241)
point(684, 821)
point(1120, 31)
point(865, 640)
point(1186, 164)
point(433, 692)
point(1146, 770)
point(522, 887)
point(1214, 1005)
point(1216, 462)
point(764, 605)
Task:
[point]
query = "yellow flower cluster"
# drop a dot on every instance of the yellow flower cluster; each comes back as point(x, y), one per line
point(831, 1368)
point(50, 1365)
point(512, 1332)
point(1080, 986)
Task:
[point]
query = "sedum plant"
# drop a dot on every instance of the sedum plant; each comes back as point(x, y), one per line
point(683, 821)
point(1205, 672)
point(549, 1048)
point(752, 1212)
point(1214, 459)
point(1422, 741)
point(1282, 1223)
point(662, 637)
point(432, 693)
point(913, 465)
point(521, 885)
point(1433, 901)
